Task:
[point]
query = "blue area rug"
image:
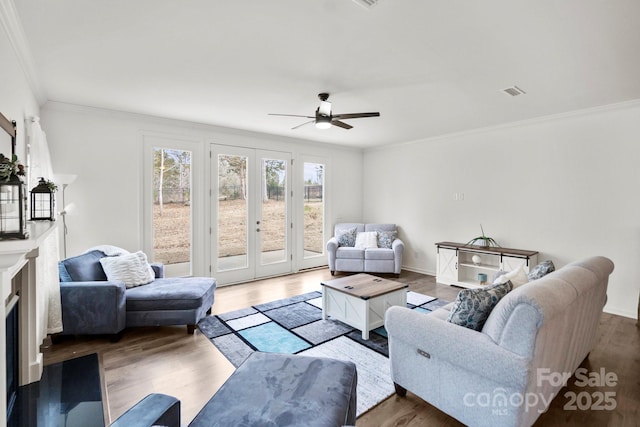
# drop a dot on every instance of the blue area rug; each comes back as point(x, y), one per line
point(295, 326)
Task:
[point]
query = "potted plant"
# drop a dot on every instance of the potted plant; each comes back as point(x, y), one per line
point(482, 240)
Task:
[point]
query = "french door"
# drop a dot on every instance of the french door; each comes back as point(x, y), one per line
point(251, 213)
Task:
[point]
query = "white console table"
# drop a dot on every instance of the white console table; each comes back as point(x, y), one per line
point(18, 286)
point(455, 264)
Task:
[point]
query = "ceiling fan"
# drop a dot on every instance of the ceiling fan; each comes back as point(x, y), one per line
point(324, 119)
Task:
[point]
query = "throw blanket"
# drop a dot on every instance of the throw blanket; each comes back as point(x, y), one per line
point(108, 250)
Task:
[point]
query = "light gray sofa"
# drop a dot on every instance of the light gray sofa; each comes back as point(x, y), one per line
point(373, 260)
point(500, 376)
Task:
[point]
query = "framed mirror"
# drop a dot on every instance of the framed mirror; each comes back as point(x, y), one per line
point(7, 137)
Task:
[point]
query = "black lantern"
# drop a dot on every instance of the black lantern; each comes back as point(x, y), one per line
point(13, 224)
point(43, 201)
point(12, 208)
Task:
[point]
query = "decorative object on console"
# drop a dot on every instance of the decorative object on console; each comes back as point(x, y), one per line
point(455, 265)
point(482, 278)
point(483, 240)
point(12, 193)
point(476, 260)
point(43, 201)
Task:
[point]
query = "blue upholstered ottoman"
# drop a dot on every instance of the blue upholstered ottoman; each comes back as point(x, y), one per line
point(170, 301)
point(271, 389)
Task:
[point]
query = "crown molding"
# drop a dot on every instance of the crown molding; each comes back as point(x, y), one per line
point(634, 103)
point(10, 21)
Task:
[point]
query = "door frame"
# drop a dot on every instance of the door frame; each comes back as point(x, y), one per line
point(320, 260)
point(253, 269)
point(198, 241)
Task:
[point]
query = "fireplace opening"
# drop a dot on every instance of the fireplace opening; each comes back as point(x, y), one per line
point(12, 348)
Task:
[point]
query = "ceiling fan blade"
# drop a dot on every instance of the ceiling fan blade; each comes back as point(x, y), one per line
point(340, 124)
point(355, 115)
point(305, 123)
point(290, 115)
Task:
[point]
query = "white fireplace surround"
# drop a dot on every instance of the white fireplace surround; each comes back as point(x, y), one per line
point(26, 268)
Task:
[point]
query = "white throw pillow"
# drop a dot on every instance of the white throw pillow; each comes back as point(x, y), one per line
point(367, 239)
point(133, 269)
point(518, 277)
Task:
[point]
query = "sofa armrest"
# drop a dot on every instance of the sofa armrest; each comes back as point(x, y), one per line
point(154, 410)
point(332, 247)
point(158, 269)
point(93, 307)
point(463, 347)
point(398, 250)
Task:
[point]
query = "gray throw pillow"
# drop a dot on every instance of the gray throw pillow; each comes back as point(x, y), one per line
point(541, 270)
point(473, 306)
point(386, 238)
point(346, 237)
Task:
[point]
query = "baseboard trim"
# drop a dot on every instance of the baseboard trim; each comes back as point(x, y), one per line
point(621, 312)
point(419, 270)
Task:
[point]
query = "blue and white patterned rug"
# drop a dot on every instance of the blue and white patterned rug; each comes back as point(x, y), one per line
point(294, 325)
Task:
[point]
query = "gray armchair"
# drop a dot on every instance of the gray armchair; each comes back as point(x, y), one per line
point(93, 305)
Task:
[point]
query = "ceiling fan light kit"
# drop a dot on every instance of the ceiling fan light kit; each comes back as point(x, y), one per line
point(323, 117)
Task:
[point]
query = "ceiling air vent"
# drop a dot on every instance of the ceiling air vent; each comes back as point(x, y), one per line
point(513, 91)
point(367, 4)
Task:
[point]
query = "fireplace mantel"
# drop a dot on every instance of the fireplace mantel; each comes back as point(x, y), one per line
point(18, 276)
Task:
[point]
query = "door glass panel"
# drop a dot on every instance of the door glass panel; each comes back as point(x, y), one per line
point(273, 215)
point(313, 210)
point(232, 212)
point(172, 210)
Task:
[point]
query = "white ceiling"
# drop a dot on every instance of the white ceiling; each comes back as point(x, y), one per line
point(430, 67)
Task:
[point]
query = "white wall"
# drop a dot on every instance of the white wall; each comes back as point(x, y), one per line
point(104, 149)
point(17, 101)
point(568, 187)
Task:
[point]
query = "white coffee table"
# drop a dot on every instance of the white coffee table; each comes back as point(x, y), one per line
point(361, 300)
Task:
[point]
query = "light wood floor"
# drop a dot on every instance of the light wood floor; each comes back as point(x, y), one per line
point(168, 360)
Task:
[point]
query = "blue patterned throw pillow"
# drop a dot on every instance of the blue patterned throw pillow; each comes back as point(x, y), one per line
point(473, 306)
point(541, 270)
point(346, 237)
point(386, 238)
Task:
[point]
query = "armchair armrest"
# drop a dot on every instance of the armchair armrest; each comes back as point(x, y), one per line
point(155, 409)
point(463, 347)
point(158, 269)
point(93, 307)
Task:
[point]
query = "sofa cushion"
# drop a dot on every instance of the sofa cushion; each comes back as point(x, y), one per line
point(366, 240)
point(85, 267)
point(541, 270)
point(379, 227)
point(349, 253)
point(132, 269)
point(386, 238)
point(473, 306)
point(346, 237)
point(379, 253)
point(174, 293)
